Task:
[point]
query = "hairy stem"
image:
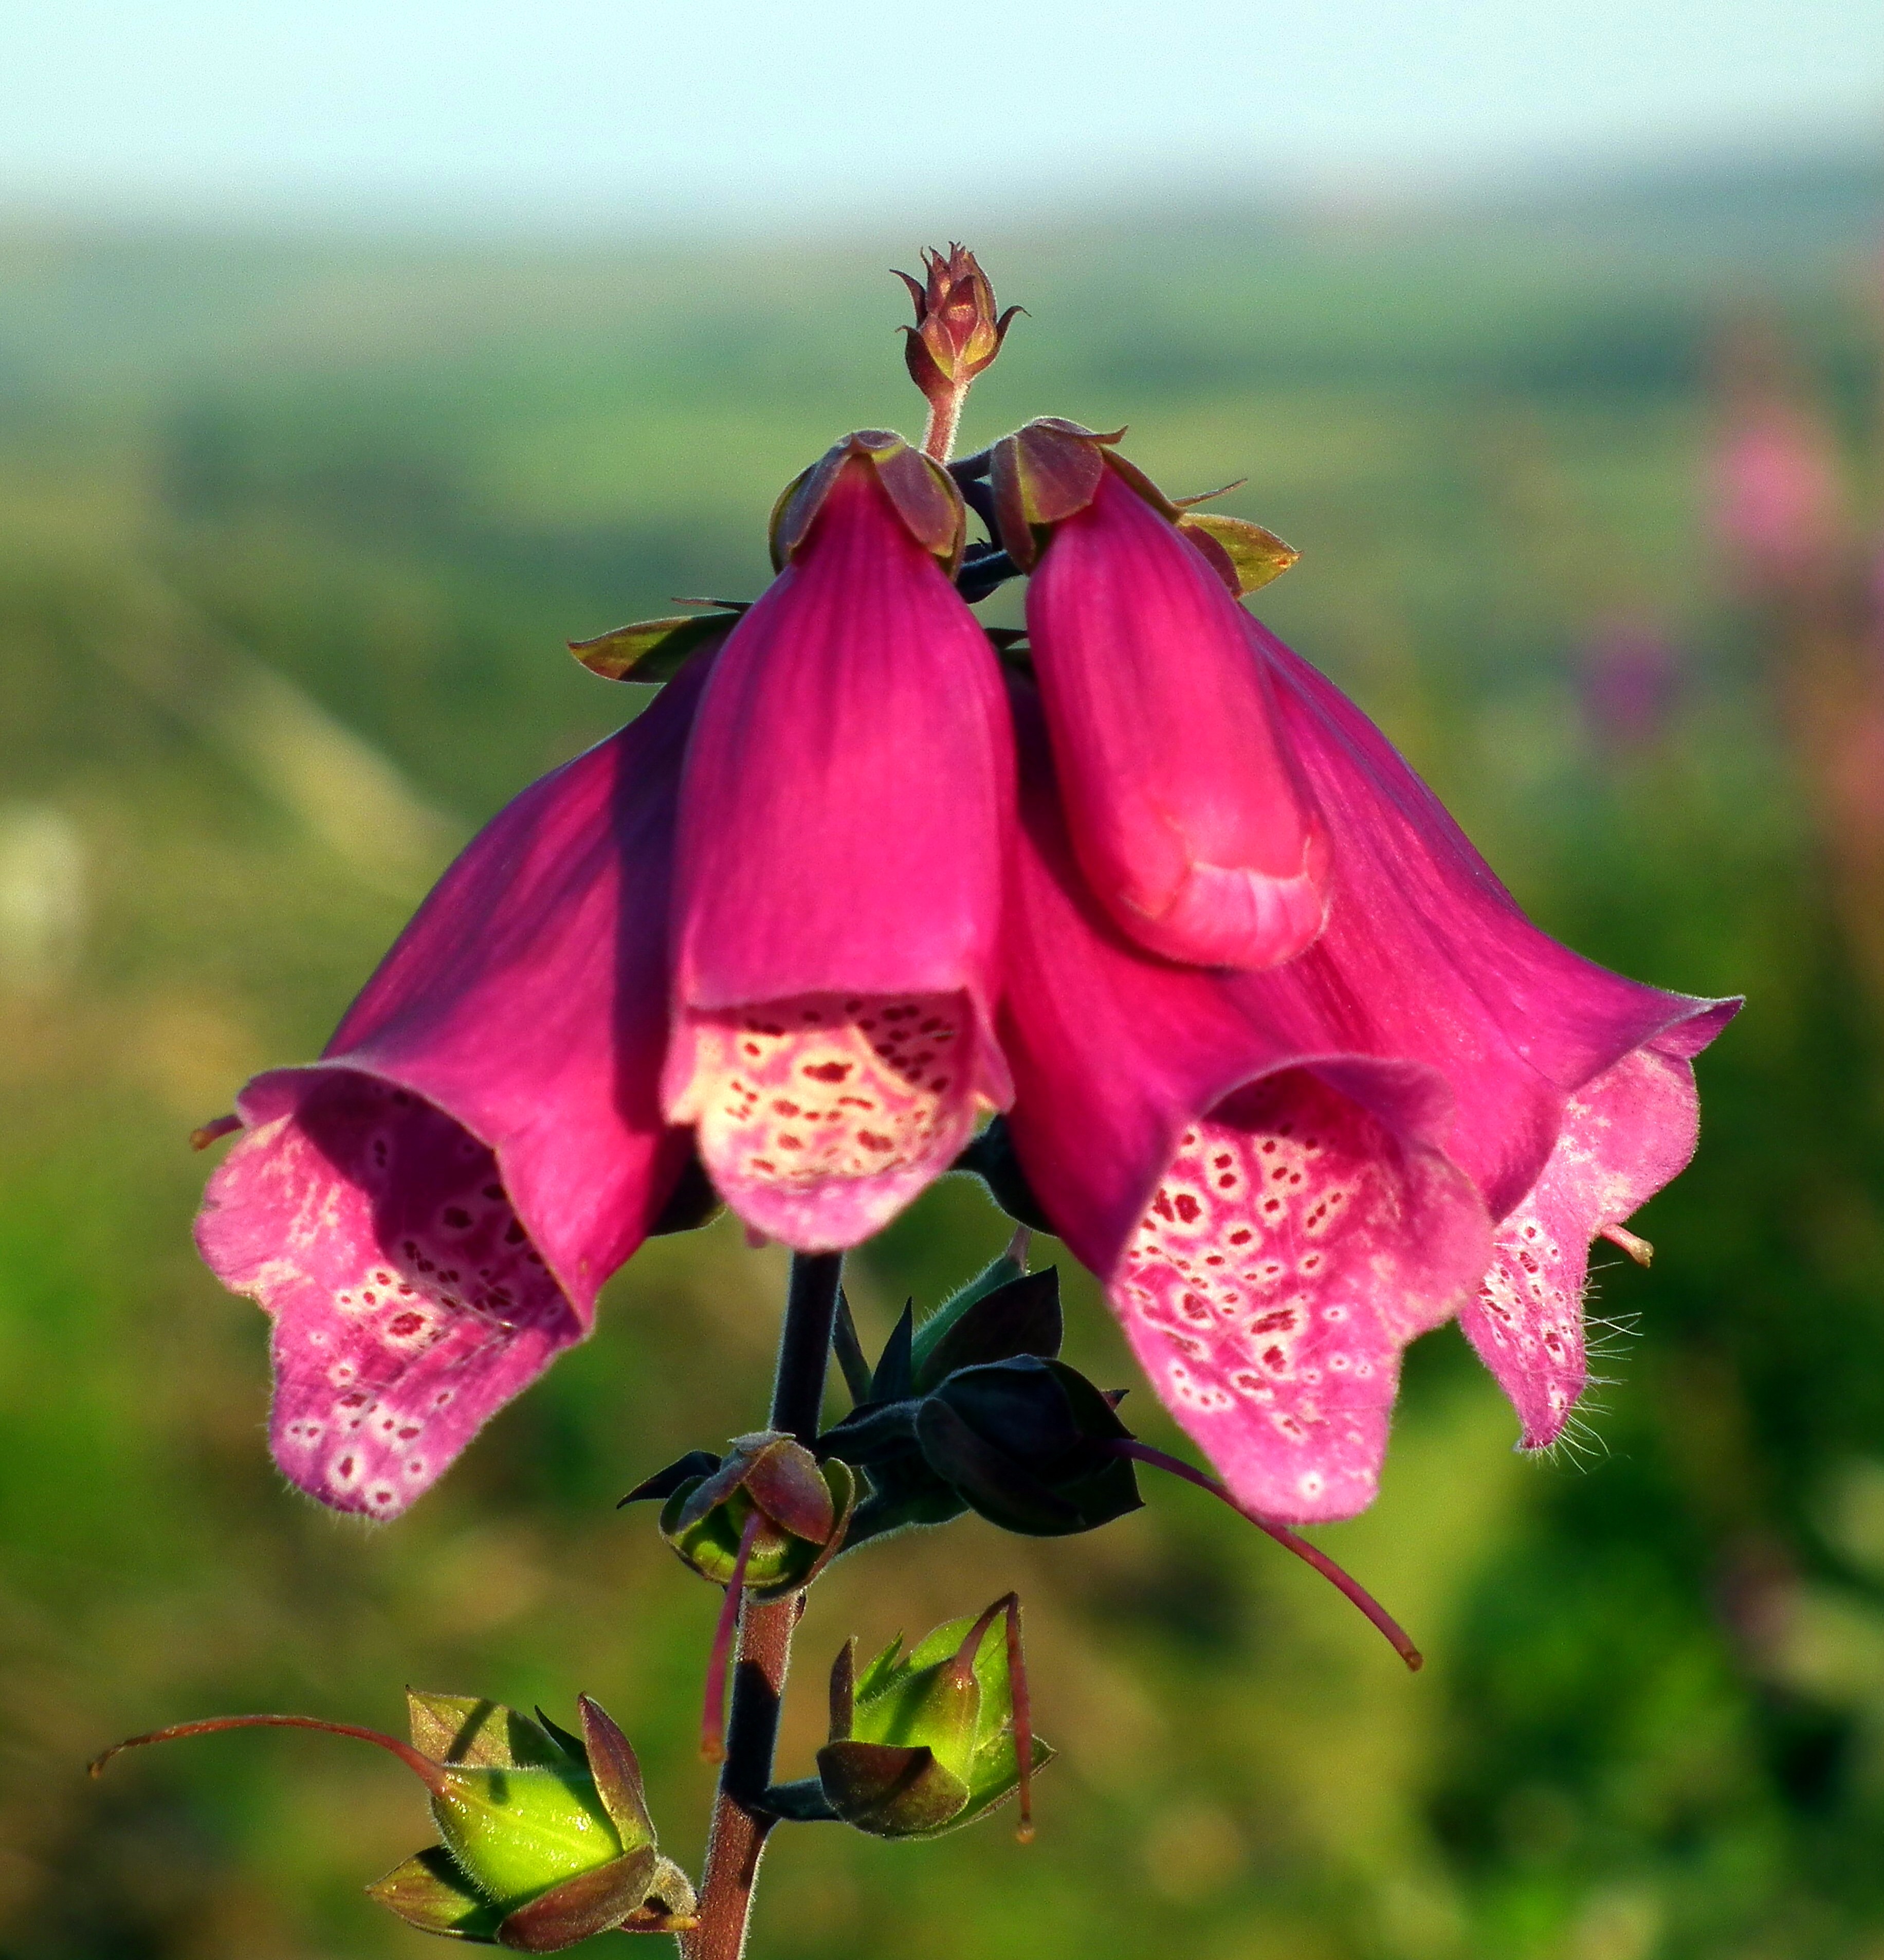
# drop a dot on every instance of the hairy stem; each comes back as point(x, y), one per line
point(944, 418)
point(741, 1823)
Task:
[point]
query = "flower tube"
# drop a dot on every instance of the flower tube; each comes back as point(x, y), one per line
point(844, 821)
point(1283, 1177)
point(428, 1212)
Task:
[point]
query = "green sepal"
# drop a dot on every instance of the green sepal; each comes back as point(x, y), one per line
point(1003, 1312)
point(571, 1746)
point(1244, 555)
point(922, 493)
point(429, 1892)
point(1025, 1442)
point(779, 1563)
point(935, 1326)
point(992, 1484)
point(991, 1156)
point(691, 1469)
point(579, 1908)
point(612, 1762)
point(472, 1730)
point(1040, 476)
point(654, 651)
point(890, 1791)
point(894, 1379)
point(781, 1477)
point(902, 1708)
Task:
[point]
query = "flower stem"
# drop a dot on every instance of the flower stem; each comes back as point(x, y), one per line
point(741, 1825)
point(944, 418)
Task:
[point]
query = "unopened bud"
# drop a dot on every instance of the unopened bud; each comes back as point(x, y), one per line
point(937, 1738)
point(798, 1510)
point(547, 1836)
point(957, 335)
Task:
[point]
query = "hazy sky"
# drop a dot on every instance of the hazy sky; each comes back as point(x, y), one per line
point(604, 110)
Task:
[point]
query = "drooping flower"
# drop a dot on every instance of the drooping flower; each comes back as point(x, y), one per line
point(1294, 1074)
point(1191, 823)
point(844, 826)
point(1284, 1176)
point(428, 1212)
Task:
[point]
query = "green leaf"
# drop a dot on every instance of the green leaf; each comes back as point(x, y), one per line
point(653, 650)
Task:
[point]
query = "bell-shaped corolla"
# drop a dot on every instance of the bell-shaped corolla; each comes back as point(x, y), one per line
point(1284, 1177)
point(1193, 825)
point(845, 816)
point(428, 1212)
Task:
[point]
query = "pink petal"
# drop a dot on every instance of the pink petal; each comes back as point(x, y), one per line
point(1297, 1242)
point(1625, 1136)
point(1428, 957)
point(1185, 813)
point(409, 1303)
point(844, 822)
point(1574, 1096)
point(429, 1211)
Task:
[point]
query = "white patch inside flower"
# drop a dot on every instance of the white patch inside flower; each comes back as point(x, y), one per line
point(826, 1087)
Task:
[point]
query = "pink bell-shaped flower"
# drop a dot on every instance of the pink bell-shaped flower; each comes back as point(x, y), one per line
point(428, 1212)
point(1283, 1177)
point(844, 826)
point(1191, 823)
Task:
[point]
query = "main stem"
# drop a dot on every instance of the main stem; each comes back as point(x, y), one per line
point(741, 1823)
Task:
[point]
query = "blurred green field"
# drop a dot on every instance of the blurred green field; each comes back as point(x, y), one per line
point(291, 531)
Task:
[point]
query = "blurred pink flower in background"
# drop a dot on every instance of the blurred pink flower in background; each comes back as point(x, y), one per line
point(1630, 679)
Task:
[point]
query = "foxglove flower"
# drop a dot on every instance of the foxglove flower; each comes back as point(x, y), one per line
point(428, 1212)
point(1283, 1176)
point(1186, 812)
point(844, 818)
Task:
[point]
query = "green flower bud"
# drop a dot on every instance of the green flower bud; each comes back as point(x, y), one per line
point(928, 1741)
point(547, 1836)
point(802, 1509)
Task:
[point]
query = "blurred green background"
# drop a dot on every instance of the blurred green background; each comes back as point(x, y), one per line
point(291, 531)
